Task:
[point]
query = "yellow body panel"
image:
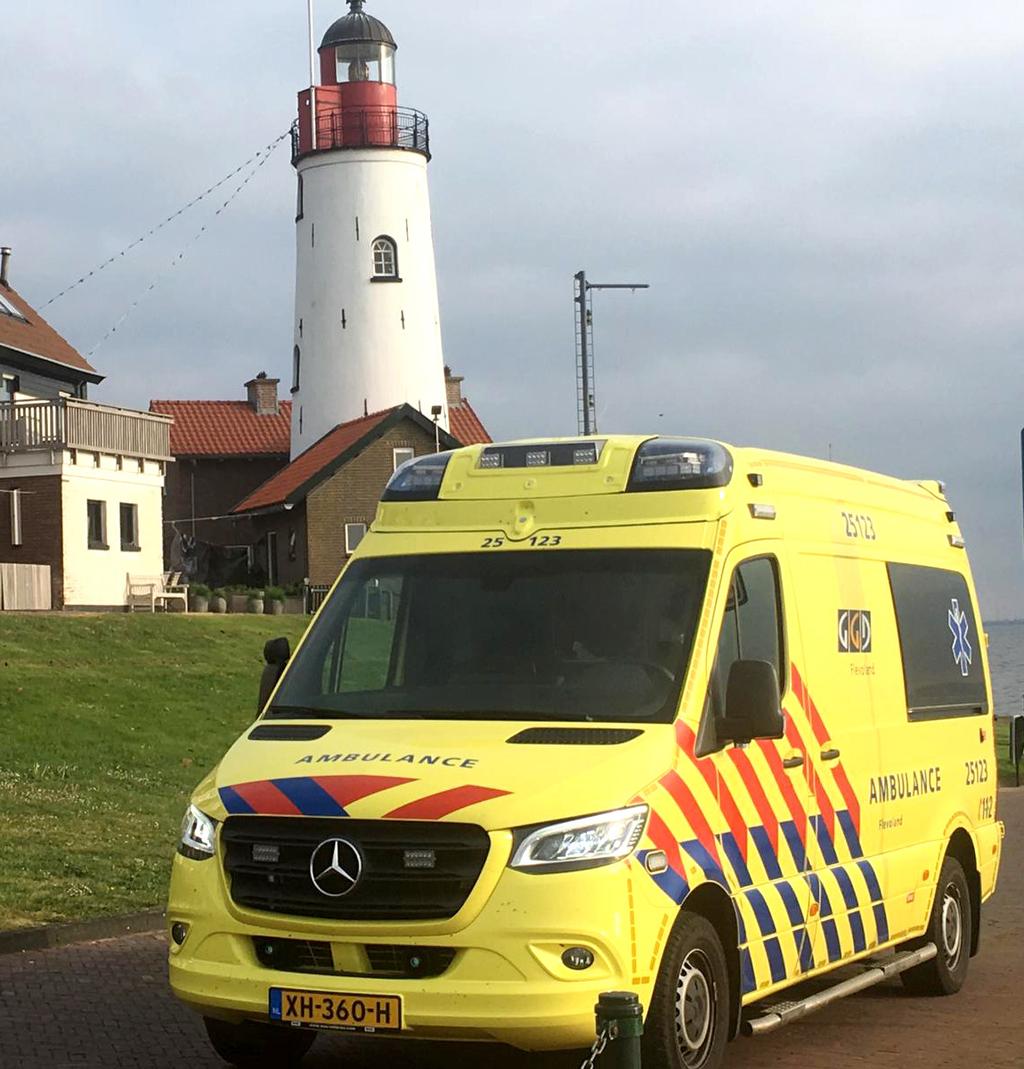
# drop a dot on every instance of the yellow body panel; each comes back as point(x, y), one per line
point(825, 859)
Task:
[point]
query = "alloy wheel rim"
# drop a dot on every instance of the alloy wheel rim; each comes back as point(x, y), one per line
point(695, 1009)
point(952, 925)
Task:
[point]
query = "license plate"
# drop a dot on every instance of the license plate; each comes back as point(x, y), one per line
point(325, 1009)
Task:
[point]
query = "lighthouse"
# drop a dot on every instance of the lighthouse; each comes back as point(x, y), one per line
point(367, 322)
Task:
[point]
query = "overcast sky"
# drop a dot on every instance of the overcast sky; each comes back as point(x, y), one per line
point(825, 198)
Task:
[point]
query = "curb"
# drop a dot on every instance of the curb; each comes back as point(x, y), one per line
point(49, 936)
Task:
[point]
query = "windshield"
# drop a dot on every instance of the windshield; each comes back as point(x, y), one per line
point(556, 635)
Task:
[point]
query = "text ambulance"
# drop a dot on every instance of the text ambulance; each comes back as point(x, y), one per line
point(584, 715)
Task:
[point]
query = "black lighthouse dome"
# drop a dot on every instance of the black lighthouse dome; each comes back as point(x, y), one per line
point(357, 28)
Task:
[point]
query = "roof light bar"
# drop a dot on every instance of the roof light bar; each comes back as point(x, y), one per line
point(418, 479)
point(680, 464)
point(541, 455)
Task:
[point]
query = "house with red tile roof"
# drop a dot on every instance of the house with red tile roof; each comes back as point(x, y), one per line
point(238, 510)
point(80, 483)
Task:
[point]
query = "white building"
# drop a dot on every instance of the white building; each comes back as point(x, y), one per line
point(367, 324)
point(81, 484)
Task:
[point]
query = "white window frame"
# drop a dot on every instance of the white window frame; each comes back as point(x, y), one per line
point(400, 454)
point(16, 535)
point(385, 257)
point(350, 529)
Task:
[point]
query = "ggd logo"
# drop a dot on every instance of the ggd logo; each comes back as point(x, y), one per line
point(854, 631)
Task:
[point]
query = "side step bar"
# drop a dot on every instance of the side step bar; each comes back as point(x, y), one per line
point(773, 1017)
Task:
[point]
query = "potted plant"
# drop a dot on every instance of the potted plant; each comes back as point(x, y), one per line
point(238, 598)
point(219, 601)
point(274, 600)
point(254, 602)
point(294, 602)
point(200, 597)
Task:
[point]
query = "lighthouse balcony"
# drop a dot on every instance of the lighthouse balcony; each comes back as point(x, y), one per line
point(361, 126)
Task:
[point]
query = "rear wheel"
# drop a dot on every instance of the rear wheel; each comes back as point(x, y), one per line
point(949, 928)
point(250, 1045)
point(688, 1020)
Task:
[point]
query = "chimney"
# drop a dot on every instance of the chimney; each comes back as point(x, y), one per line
point(5, 259)
point(453, 387)
point(262, 395)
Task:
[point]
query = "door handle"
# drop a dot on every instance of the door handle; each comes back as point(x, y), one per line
point(793, 762)
point(829, 755)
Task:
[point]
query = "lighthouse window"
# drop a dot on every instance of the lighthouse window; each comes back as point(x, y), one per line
point(298, 200)
point(365, 61)
point(296, 368)
point(385, 259)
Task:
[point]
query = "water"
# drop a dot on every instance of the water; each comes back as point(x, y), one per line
point(1006, 661)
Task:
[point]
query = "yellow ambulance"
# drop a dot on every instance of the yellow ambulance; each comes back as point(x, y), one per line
point(640, 713)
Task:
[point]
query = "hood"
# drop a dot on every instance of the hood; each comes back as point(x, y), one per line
point(495, 774)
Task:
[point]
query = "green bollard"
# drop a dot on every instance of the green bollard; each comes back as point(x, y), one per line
point(620, 1014)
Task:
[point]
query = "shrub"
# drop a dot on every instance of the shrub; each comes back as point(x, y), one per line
point(199, 590)
point(274, 593)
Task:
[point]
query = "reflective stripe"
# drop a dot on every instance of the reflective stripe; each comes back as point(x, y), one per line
point(768, 855)
point(309, 797)
point(441, 804)
point(739, 866)
point(233, 802)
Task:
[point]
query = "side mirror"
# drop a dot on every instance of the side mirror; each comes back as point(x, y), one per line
point(752, 708)
point(276, 653)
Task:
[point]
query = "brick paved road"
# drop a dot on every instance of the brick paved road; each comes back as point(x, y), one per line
point(106, 1005)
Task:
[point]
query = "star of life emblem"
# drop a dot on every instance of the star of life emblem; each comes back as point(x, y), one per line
point(962, 652)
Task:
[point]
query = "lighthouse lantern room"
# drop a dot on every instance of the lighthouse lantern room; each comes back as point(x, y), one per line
point(367, 324)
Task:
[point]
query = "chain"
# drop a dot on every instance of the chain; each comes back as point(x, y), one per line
point(596, 1050)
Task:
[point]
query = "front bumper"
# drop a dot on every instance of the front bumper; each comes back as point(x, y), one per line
point(507, 981)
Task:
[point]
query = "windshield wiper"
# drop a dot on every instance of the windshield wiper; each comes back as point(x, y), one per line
point(311, 712)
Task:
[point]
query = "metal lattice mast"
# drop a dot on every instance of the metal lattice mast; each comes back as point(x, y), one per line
point(586, 394)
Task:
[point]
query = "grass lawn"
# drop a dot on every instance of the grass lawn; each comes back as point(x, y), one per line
point(1006, 773)
point(107, 723)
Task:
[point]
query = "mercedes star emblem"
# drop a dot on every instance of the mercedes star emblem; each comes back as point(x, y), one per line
point(335, 867)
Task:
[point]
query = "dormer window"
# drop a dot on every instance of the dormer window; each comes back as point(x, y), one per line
point(385, 260)
point(7, 308)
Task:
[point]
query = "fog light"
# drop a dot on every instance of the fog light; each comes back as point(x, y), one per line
point(656, 862)
point(179, 932)
point(577, 958)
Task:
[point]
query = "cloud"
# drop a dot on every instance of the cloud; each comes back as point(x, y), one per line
point(824, 199)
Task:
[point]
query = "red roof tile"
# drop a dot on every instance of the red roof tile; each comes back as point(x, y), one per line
point(465, 424)
point(277, 489)
point(33, 335)
point(226, 428)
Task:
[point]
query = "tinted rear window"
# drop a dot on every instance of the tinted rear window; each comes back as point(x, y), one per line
point(940, 642)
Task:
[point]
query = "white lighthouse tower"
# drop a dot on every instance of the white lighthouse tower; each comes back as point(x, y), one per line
point(367, 324)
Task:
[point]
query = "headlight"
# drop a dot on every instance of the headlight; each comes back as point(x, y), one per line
point(579, 844)
point(198, 835)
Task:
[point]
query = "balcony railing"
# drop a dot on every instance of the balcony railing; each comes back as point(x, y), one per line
point(66, 423)
point(365, 127)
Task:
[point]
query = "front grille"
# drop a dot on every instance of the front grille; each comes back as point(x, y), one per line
point(389, 887)
point(394, 962)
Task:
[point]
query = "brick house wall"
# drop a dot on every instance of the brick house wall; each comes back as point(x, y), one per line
point(41, 527)
point(350, 495)
point(219, 486)
point(285, 524)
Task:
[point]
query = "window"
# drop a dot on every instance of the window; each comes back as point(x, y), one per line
point(296, 368)
point(6, 308)
point(401, 454)
point(354, 533)
point(751, 626)
point(15, 497)
point(573, 635)
point(385, 260)
point(96, 512)
point(298, 200)
point(940, 643)
point(129, 528)
point(272, 558)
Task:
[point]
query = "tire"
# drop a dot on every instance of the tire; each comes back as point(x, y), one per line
point(251, 1045)
point(687, 1023)
point(949, 928)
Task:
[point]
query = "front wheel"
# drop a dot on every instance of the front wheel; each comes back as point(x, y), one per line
point(251, 1045)
point(688, 1020)
point(949, 928)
